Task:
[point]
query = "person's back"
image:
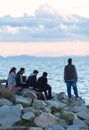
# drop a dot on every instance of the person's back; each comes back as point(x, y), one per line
point(32, 80)
point(19, 77)
point(70, 72)
point(43, 86)
point(18, 80)
point(11, 81)
point(42, 82)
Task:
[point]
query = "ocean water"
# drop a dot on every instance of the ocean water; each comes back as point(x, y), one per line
point(55, 68)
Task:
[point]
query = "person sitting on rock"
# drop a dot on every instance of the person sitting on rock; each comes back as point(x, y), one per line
point(11, 82)
point(20, 77)
point(43, 86)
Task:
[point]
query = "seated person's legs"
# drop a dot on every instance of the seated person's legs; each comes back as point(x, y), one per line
point(45, 89)
point(48, 87)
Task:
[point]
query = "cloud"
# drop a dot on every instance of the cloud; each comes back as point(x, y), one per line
point(46, 25)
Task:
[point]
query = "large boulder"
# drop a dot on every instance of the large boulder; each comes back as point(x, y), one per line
point(5, 102)
point(10, 115)
point(23, 100)
point(46, 119)
point(68, 116)
point(30, 93)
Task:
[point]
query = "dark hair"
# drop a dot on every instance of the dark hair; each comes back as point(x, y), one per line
point(35, 71)
point(44, 73)
point(22, 69)
point(12, 70)
point(70, 60)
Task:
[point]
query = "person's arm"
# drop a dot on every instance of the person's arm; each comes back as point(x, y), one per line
point(76, 74)
point(13, 75)
point(34, 81)
point(18, 80)
point(45, 81)
point(65, 74)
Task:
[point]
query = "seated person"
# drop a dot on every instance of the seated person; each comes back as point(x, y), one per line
point(11, 82)
point(32, 80)
point(20, 77)
point(43, 86)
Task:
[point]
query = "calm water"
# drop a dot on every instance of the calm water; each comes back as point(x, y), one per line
point(55, 69)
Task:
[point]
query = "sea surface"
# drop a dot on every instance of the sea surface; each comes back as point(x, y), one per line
point(55, 68)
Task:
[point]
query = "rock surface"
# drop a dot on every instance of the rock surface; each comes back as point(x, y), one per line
point(26, 112)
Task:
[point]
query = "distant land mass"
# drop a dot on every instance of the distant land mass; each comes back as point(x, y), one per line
point(27, 57)
point(18, 57)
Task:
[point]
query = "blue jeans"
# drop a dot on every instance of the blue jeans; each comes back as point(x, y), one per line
point(72, 83)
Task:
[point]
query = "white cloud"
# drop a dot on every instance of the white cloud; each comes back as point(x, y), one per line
point(12, 30)
point(41, 27)
point(44, 26)
point(18, 8)
point(64, 27)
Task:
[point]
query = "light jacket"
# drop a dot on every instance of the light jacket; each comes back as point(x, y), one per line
point(11, 79)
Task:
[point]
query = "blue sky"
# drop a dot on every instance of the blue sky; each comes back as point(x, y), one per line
point(27, 21)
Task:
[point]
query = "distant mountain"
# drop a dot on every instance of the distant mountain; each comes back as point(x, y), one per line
point(27, 57)
point(21, 56)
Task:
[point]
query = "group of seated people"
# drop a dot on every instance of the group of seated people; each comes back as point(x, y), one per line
point(18, 80)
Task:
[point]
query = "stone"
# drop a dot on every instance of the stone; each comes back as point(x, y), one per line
point(10, 115)
point(46, 119)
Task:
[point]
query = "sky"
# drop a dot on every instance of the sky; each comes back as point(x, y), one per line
point(44, 27)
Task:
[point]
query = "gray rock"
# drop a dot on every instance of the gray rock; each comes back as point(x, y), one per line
point(30, 93)
point(80, 123)
point(46, 119)
point(56, 127)
point(35, 128)
point(5, 102)
point(23, 100)
point(10, 114)
point(28, 116)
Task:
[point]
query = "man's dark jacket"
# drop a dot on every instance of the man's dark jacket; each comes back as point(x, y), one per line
point(32, 81)
point(42, 82)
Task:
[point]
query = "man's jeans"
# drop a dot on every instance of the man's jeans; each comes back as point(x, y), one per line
point(72, 83)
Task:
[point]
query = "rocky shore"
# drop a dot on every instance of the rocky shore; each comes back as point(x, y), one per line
point(25, 111)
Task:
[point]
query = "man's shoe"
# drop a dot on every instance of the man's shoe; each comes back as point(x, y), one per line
point(50, 98)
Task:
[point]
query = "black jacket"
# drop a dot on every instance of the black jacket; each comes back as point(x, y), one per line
point(32, 81)
point(42, 82)
point(18, 79)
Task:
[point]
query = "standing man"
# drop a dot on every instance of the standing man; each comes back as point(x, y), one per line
point(70, 78)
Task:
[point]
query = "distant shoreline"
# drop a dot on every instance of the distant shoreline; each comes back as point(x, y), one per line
point(29, 56)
